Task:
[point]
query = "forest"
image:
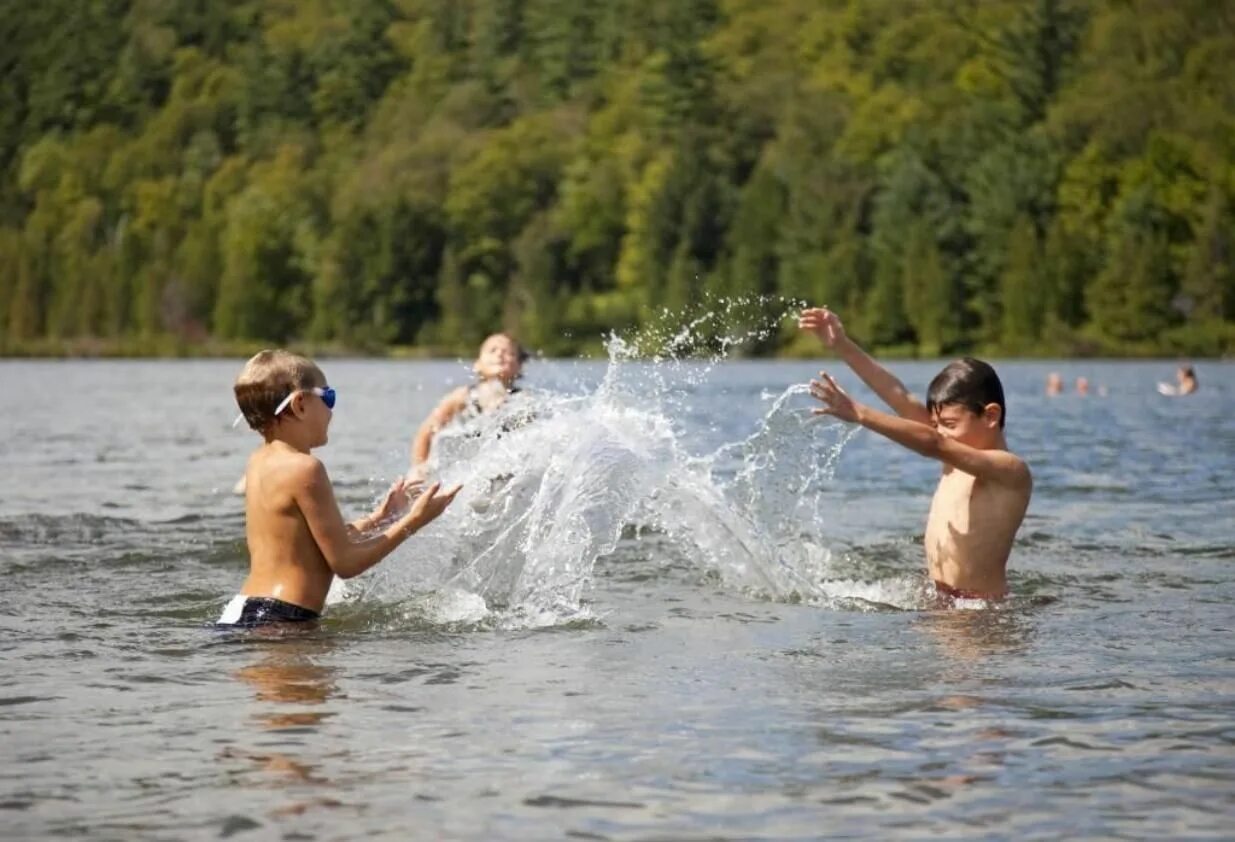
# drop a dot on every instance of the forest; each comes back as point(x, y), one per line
point(1011, 177)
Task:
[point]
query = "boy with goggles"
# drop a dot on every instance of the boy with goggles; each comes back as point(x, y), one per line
point(298, 541)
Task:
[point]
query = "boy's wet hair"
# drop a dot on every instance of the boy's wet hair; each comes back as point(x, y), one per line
point(969, 383)
point(269, 377)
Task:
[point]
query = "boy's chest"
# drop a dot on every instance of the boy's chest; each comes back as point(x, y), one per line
point(952, 505)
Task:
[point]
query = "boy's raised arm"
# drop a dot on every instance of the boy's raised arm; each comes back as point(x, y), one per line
point(994, 465)
point(827, 326)
point(347, 555)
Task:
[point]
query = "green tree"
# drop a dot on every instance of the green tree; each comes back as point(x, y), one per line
point(1021, 287)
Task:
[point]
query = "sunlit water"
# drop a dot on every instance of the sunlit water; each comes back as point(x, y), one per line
point(668, 604)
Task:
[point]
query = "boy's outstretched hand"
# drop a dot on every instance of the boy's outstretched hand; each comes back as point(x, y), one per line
point(397, 500)
point(824, 324)
point(429, 505)
point(836, 402)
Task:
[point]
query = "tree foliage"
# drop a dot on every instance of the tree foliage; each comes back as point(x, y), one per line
point(1029, 176)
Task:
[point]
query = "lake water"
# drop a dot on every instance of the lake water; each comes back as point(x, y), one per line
point(671, 607)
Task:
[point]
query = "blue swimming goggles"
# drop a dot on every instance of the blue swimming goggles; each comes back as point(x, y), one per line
point(327, 394)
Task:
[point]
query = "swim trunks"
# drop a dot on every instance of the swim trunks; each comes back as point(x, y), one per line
point(950, 593)
point(250, 611)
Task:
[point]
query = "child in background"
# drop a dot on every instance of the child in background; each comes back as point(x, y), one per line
point(1185, 382)
point(984, 490)
point(297, 538)
point(498, 365)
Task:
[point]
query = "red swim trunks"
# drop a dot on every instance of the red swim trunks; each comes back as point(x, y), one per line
point(952, 594)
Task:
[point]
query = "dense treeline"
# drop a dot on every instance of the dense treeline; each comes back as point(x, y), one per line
point(1026, 176)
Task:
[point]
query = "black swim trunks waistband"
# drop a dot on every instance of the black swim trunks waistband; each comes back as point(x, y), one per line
point(249, 611)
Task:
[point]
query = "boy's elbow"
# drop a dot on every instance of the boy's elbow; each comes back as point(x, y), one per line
point(343, 568)
point(346, 571)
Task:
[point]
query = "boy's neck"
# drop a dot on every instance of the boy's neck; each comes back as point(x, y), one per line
point(286, 437)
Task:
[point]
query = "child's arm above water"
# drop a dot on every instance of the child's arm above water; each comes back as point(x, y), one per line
point(442, 414)
point(827, 326)
point(348, 554)
point(994, 465)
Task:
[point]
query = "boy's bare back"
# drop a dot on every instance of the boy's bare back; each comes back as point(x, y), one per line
point(285, 561)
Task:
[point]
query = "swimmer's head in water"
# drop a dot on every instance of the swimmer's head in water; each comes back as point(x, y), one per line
point(268, 380)
point(501, 357)
point(966, 398)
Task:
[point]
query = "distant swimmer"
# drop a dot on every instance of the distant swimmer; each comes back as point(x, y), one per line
point(498, 367)
point(1185, 383)
point(1054, 383)
point(297, 538)
point(984, 490)
point(1082, 386)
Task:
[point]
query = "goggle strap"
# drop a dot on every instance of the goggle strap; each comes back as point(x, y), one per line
point(283, 404)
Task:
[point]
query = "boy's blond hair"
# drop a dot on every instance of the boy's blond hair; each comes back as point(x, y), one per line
point(269, 377)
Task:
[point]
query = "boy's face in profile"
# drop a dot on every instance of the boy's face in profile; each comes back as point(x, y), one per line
point(498, 358)
point(319, 416)
point(310, 408)
point(962, 424)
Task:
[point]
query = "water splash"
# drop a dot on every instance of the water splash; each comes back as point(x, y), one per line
point(551, 481)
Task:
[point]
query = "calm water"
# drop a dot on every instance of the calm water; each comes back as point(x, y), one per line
point(667, 609)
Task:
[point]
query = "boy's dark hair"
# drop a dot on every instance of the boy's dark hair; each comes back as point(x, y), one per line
point(969, 383)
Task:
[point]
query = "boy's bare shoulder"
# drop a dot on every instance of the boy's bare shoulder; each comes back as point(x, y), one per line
point(1017, 470)
point(291, 469)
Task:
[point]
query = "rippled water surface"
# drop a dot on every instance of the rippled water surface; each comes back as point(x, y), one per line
point(668, 605)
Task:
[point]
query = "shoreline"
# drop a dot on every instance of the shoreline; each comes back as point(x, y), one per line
point(234, 351)
point(1216, 343)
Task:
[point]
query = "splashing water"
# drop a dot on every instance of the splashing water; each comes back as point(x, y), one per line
point(551, 481)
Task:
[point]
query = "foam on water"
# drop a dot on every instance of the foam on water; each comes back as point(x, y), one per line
point(551, 481)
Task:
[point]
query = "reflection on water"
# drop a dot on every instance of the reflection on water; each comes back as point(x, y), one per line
point(965, 637)
point(287, 678)
point(293, 695)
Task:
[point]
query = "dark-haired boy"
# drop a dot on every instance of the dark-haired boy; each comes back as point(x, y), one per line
point(984, 491)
